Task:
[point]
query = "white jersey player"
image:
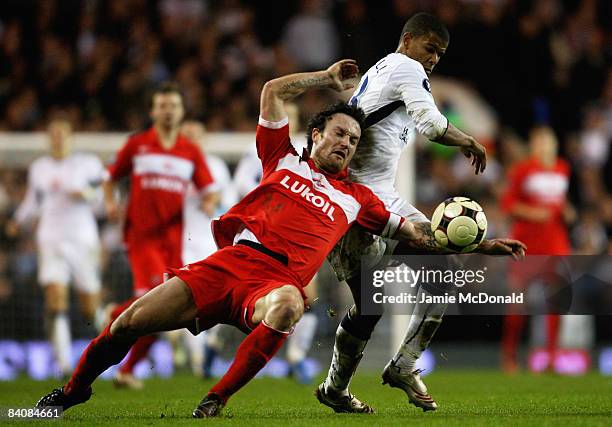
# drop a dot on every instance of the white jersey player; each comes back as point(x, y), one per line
point(62, 191)
point(396, 96)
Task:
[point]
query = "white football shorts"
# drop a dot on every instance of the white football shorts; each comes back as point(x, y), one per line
point(345, 257)
point(59, 262)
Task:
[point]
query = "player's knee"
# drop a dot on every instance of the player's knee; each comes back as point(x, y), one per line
point(285, 309)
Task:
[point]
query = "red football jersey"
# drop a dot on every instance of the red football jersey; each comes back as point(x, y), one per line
point(532, 184)
point(298, 210)
point(159, 180)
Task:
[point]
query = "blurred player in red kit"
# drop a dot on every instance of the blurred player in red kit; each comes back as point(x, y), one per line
point(536, 200)
point(160, 163)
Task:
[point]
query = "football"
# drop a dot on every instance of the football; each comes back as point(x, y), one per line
point(459, 224)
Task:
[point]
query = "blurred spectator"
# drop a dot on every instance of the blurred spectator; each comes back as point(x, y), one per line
point(83, 55)
point(310, 36)
point(589, 235)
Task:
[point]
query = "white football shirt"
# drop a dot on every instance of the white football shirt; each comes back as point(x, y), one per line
point(63, 217)
point(396, 96)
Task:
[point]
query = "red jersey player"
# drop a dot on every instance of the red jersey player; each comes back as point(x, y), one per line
point(536, 200)
point(160, 163)
point(272, 243)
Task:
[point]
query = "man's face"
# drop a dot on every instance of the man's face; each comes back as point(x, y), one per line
point(167, 111)
point(333, 149)
point(60, 138)
point(543, 145)
point(426, 49)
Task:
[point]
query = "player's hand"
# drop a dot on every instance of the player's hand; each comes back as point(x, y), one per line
point(509, 247)
point(569, 213)
point(113, 210)
point(209, 203)
point(341, 72)
point(478, 153)
point(11, 229)
point(540, 214)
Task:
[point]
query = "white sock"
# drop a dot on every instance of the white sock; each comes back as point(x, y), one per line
point(348, 351)
point(424, 322)
point(195, 346)
point(300, 340)
point(61, 341)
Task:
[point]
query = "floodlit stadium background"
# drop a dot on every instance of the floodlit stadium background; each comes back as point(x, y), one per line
point(510, 64)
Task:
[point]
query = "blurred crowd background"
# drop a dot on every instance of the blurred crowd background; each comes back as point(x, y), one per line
point(524, 62)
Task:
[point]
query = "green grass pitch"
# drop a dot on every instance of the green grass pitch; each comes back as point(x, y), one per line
point(466, 398)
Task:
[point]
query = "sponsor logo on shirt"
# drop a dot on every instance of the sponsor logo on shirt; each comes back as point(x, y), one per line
point(163, 183)
point(302, 189)
point(547, 187)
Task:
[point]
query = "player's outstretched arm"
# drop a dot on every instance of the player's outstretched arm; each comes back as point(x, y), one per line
point(276, 92)
point(468, 145)
point(418, 235)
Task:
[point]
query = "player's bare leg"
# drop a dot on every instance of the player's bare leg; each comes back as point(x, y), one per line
point(275, 314)
point(167, 307)
point(300, 341)
point(89, 304)
point(57, 324)
point(352, 336)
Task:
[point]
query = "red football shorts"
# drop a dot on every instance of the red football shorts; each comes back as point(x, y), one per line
point(151, 256)
point(226, 285)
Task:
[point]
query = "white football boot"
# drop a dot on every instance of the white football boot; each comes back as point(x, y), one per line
point(412, 385)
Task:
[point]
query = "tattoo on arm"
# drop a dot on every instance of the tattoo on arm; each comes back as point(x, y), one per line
point(425, 240)
point(296, 87)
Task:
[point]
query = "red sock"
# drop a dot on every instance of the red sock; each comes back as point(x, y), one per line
point(140, 349)
point(512, 328)
point(252, 355)
point(552, 335)
point(103, 352)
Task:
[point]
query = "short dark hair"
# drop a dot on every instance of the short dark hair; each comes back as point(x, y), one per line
point(422, 24)
point(319, 120)
point(166, 88)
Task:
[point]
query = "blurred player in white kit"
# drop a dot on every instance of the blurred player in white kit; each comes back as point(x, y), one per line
point(246, 178)
point(63, 189)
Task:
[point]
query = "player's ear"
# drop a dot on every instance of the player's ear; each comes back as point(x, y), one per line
point(406, 40)
point(316, 135)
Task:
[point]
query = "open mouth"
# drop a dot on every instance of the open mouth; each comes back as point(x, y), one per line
point(340, 154)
